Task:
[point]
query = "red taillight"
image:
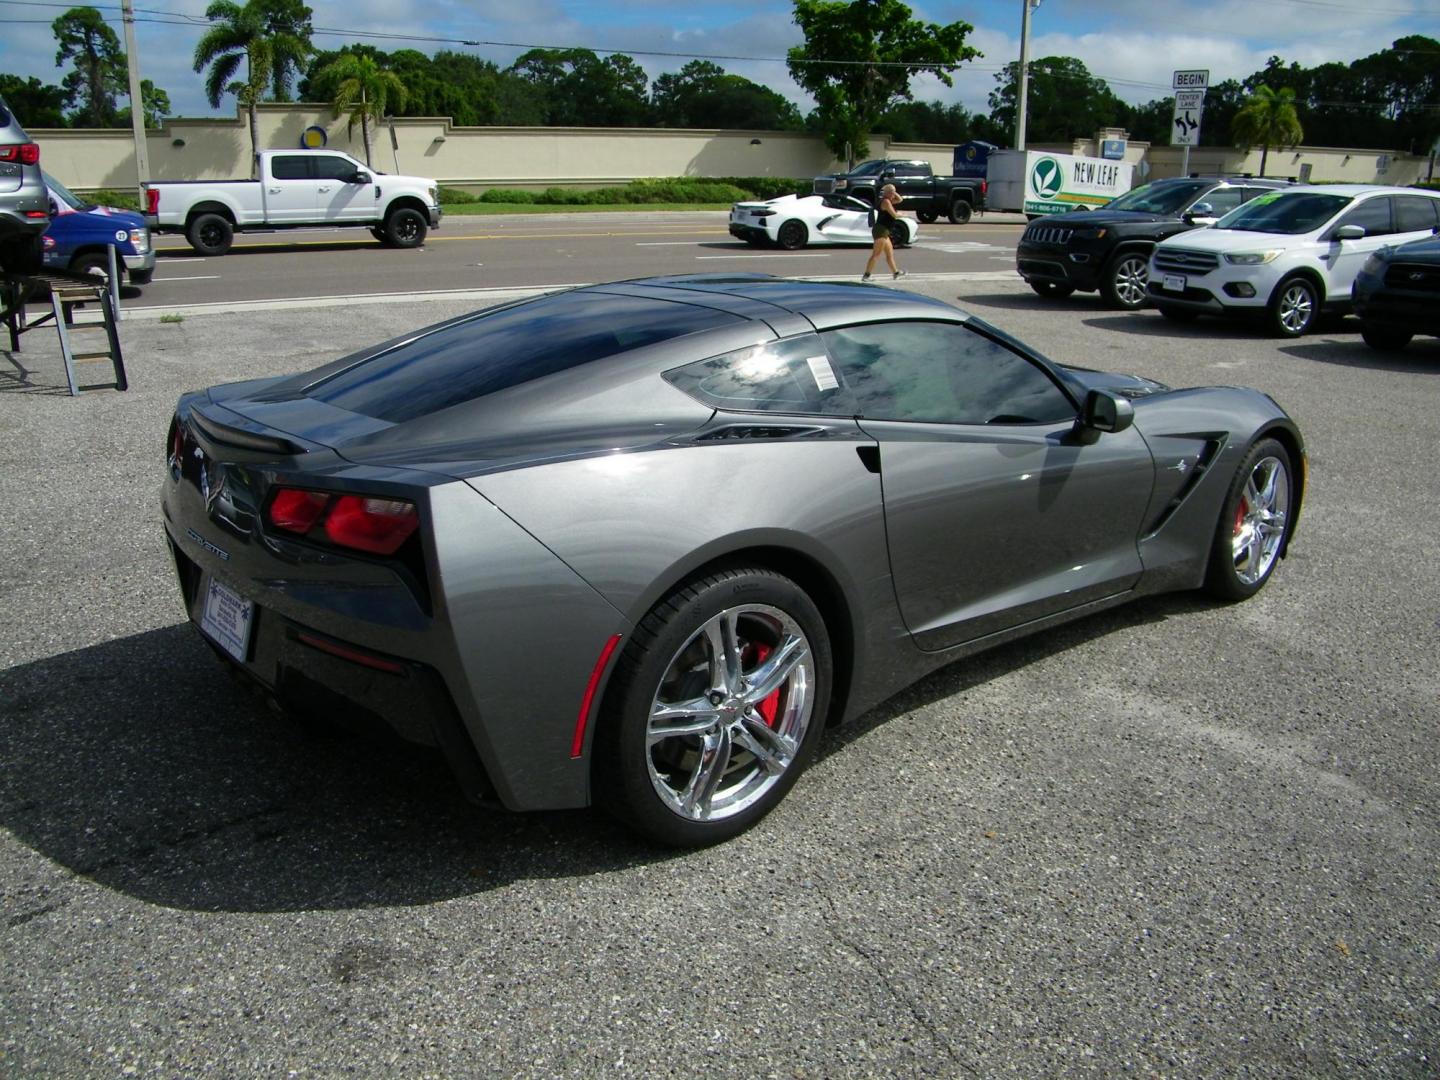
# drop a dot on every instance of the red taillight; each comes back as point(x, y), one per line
point(152, 200)
point(297, 511)
point(177, 441)
point(363, 522)
point(984, 187)
point(371, 524)
point(25, 153)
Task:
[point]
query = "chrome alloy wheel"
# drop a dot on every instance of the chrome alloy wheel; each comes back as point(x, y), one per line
point(1260, 520)
point(1296, 308)
point(731, 712)
point(1132, 274)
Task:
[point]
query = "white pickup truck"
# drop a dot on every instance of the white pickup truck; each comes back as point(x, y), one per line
point(297, 188)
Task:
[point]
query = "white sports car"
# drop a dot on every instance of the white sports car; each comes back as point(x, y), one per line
point(793, 221)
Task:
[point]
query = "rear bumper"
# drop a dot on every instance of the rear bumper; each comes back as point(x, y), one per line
point(313, 673)
point(748, 232)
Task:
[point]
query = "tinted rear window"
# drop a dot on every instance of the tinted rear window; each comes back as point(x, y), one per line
point(505, 348)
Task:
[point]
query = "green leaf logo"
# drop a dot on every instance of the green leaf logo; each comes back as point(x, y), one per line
point(1046, 178)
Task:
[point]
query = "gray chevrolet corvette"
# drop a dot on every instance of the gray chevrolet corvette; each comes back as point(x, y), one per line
point(638, 544)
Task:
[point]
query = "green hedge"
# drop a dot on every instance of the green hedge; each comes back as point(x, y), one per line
point(678, 189)
point(121, 200)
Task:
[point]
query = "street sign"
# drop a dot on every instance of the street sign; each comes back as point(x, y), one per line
point(1185, 125)
point(1190, 80)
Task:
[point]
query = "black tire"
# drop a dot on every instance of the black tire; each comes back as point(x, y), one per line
point(94, 264)
point(1230, 575)
point(1178, 314)
point(1122, 283)
point(210, 234)
point(141, 277)
point(1051, 290)
point(1293, 308)
point(1384, 338)
point(960, 211)
point(670, 659)
point(22, 254)
point(792, 235)
point(927, 217)
point(899, 235)
point(406, 228)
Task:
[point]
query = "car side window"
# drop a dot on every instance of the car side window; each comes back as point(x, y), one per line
point(1414, 213)
point(793, 375)
point(1222, 200)
point(1373, 215)
point(942, 373)
point(332, 168)
point(290, 167)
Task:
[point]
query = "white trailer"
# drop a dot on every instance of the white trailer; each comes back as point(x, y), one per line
point(1035, 183)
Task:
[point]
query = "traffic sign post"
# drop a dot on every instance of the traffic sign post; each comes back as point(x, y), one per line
point(1189, 89)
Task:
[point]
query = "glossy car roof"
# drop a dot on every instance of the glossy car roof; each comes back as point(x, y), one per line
point(822, 303)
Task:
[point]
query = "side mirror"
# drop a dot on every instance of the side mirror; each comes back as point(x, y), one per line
point(54, 208)
point(360, 176)
point(1104, 412)
point(1349, 232)
point(1202, 209)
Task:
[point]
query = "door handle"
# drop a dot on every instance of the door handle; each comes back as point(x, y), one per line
point(323, 190)
point(273, 190)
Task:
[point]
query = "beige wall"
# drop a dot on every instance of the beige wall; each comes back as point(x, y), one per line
point(477, 158)
point(1326, 163)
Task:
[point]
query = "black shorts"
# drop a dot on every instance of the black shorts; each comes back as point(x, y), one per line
point(879, 231)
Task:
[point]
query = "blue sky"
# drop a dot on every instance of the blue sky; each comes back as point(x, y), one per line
point(1133, 44)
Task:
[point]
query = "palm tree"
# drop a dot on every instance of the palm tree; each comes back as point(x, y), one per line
point(1269, 119)
point(245, 34)
point(363, 89)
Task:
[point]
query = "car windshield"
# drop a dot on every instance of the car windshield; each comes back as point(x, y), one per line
point(1157, 198)
point(60, 192)
point(1288, 212)
point(866, 168)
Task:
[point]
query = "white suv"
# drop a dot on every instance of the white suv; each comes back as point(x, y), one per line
point(1286, 254)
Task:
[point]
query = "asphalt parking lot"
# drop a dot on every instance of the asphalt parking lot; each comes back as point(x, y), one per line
point(1176, 839)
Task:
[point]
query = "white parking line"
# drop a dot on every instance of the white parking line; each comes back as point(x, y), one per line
point(670, 243)
point(791, 255)
point(197, 277)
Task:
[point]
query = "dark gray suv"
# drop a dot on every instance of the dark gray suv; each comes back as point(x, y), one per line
point(24, 207)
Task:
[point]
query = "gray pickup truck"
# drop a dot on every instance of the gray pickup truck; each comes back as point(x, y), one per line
point(928, 196)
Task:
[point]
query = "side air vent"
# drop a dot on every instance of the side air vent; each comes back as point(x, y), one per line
point(224, 435)
point(756, 431)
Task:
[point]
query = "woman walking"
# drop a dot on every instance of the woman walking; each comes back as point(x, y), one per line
point(887, 213)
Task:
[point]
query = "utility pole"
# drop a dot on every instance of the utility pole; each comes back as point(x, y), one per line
point(137, 104)
point(1023, 90)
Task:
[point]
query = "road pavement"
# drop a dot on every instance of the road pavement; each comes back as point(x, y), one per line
point(1178, 839)
point(504, 251)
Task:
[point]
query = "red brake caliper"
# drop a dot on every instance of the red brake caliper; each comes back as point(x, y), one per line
point(1240, 512)
point(769, 709)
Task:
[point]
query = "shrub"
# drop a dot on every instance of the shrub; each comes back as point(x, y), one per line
point(121, 200)
point(502, 195)
point(450, 196)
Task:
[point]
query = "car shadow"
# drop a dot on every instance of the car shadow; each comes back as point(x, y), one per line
point(139, 764)
point(1421, 355)
point(271, 247)
point(978, 669)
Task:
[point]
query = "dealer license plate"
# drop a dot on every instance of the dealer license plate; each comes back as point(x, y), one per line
point(1173, 283)
point(226, 619)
